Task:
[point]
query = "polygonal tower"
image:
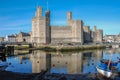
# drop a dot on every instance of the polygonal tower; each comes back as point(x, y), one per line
point(69, 18)
point(41, 27)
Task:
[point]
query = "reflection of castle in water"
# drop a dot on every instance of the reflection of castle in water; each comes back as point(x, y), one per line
point(73, 63)
point(2, 57)
point(40, 61)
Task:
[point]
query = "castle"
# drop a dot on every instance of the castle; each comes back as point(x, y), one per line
point(43, 33)
point(74, 32)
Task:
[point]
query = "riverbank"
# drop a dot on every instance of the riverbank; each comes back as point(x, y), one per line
point(7, 75)
point(62, 48)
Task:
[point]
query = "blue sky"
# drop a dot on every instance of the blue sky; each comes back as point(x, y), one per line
point(16, 15)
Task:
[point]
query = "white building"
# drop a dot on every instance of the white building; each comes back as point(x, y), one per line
point(10, 38)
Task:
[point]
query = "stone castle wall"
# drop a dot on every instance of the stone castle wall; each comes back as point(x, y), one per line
point(43, 32)
point(97, 35)
point(87, 34)
point(41, 27)
point(61, 34)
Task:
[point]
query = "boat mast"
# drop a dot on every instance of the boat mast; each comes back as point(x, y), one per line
point(110, 60)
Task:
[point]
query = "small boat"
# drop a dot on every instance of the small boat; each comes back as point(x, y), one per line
point(107, 62)
point(105, 69)
point(104, 72)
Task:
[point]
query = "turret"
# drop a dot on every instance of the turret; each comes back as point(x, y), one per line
point(69, 17)
point(39, 12)
point(48, 29)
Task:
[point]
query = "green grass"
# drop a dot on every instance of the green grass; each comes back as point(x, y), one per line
point(21, 47)
point(69, 48)
point(81, 48)
point(63, 49)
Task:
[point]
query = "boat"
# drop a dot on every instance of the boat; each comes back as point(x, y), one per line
point(105, 69)
point(112, 63)
point(104, 72)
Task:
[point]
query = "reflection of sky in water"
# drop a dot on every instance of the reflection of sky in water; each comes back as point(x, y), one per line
point(112, 56)
point(16, 66)
point(58, 70)
point(90, 67)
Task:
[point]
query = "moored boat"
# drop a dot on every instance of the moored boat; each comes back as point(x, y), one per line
point(112, 63)
point(104, 72)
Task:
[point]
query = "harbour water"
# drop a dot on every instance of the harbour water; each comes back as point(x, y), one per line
point(57, 62)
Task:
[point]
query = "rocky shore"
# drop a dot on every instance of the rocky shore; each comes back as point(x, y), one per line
point(7, 75)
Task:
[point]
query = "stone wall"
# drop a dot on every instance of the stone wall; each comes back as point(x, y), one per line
point(97, 35)
point(23, 37)
point(43, 32)
point(61, 34)
point(77, 31)
point(48, 28)
point(41, 27)
point(87, 34)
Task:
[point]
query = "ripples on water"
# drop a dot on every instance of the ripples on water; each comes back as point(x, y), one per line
point(72, 63)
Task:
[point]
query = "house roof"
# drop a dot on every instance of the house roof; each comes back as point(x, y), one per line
point(24, 34)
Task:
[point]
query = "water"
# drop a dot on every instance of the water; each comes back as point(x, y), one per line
point(67, 63)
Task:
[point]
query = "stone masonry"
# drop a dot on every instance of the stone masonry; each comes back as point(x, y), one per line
point(41, 27)
point(74, 32)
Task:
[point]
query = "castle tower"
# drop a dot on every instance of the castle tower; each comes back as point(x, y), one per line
point(40, 61)
point(41, 27)
point(48, 29)
point(87, 34)
point(69, 18)
point(39, 12)
point(97, 35)
point(77, 31)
